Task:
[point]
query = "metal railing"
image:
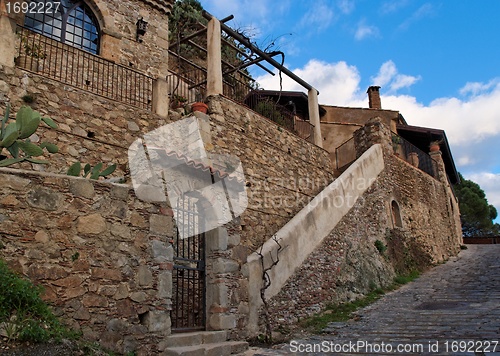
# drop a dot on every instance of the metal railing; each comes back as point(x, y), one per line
point(280, 114)
point(189, 82)
point(345, 153)
point(304, 129)
point(414, 155)
point(73, 66)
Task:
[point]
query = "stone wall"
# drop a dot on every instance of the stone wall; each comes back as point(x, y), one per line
point(283, 171)
point(117, 20)
point(348, 264)
point(103, 256)
point(91, 128)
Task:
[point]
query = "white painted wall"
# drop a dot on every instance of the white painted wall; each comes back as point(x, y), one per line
point(305, 231)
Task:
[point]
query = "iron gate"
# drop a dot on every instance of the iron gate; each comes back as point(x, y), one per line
point(188, 277)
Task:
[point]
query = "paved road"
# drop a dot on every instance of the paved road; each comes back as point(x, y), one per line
point(453, 309)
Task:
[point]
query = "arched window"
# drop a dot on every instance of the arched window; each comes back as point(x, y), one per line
point(396, 214)
point(73, 23)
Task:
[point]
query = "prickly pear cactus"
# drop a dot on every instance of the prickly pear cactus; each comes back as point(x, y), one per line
point(15, 145)
point(95, 173)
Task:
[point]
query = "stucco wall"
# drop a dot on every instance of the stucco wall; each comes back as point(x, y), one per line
point(339, 123)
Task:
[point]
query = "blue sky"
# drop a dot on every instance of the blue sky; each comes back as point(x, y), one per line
point(437, 62)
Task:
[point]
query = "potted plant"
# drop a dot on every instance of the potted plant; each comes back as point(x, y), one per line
point(396, 145)
point(177, 101)
point(434, 146)
point(31, 55)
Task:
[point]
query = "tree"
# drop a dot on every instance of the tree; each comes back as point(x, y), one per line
point(476, 214)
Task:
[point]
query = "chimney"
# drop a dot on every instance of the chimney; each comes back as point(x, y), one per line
point(374, 97)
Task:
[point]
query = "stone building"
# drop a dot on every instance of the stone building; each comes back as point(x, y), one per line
point(122, 265)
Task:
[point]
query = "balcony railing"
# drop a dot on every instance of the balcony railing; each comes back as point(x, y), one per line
point(189, 84)
point(414, 155)
point(190, 81)
point(73, 66)
point(267, 107)
point(345, 154)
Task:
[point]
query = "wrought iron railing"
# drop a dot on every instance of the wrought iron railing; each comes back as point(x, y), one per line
point(73, 66)
point(414, 155)
point(189, 81)
point(280, 114)
point(345, 153)
point(304, 129)
point(188, 84)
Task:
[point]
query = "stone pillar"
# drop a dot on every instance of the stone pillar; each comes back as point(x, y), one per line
point(438, 166)
point(219, 316)
point(372, 133)
point(314, 116)
point(160, 97)
point(214, 62)
point(7, 39)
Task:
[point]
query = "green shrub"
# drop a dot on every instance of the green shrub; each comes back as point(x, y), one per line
point(379, 245)
point(23, 314)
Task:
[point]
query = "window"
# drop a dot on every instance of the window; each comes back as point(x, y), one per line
point(73, 24)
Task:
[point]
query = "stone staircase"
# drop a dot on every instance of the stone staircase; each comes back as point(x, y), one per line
point(202, 343)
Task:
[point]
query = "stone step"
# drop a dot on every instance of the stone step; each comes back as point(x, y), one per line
point(211, 349)
point(195, 338)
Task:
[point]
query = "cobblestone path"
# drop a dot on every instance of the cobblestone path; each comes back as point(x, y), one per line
point(453, 309)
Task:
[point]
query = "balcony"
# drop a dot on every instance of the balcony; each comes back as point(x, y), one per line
point(83, 70)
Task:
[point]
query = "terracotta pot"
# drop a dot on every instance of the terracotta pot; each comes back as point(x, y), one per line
point(434, 148)
point(201, 107)
point(413, 159)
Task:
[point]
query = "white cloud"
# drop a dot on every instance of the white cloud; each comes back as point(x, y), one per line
point(490, 183)
point(466, 120)
point(364, 31)
point(476, 88)
point(388, 76)
point(385, 74)
point(426, 10)
point(346, 6)
point(465, 160)
point(403, 81)
point(319, 17)
point(392, 6)
point(336, 82)
point(260, 17)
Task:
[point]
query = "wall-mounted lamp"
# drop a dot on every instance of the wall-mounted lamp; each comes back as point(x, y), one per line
point(141, 29)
